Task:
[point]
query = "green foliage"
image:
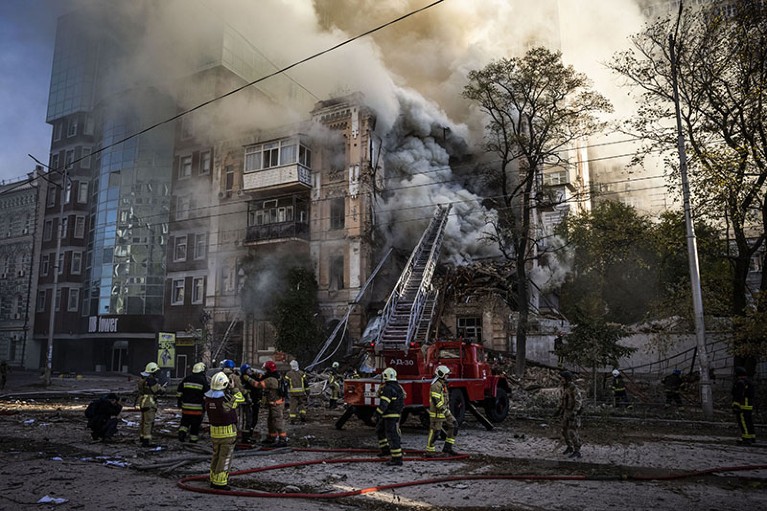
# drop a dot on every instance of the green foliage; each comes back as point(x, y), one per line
point(750, 334)
point(295, 316)
point(594, 343)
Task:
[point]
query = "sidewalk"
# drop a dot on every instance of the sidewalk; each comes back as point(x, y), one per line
point(29, 384)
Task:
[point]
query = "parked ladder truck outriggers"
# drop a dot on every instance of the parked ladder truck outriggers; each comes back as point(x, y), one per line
point(404, 342)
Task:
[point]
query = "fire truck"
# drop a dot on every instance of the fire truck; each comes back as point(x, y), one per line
point(402, 340)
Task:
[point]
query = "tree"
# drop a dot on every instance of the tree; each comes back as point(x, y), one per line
point(537, 109)
point(593, 343)
point(295, 316)
point(722, 75)
point(613, 264)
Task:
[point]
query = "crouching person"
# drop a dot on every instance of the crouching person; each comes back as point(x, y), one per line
point(102, 417)
point(221, 404)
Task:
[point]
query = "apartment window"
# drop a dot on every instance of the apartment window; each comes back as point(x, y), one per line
point(44, 264)
point(74, 300)
point(77, 263)
point(58, 128)
point(48, 230)
point(41, 297)
point(185, 167)
point(72, 129)
point(61, 264)
point(64, 227)
point(177, 293)
point(82, 192)
point(183, 205)
point(69, 158)
point(179, 249)
point(90, 125)
point(198, 289)
point(229, 183)
point(337, 272)
point(337, 213)
point(80, 227)
point(469, 328)
point(51, 199)
point(200, 244)
point(55, 161)
point(205, 163)
point(57, 301)
point(273, 154)
point(85, 162)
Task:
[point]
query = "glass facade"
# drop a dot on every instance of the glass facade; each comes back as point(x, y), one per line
point(129, 218)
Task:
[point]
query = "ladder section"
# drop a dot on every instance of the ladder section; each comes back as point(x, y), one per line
point(410, 304)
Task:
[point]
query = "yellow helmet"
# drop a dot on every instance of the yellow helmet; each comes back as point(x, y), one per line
point(389, 374)
point(199, 367)
point(219, 381)
point(151, 367)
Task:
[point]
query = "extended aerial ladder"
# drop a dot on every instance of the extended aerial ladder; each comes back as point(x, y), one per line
point(409, 310)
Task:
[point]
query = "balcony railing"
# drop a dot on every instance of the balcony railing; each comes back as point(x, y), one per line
point(277, 231)
point(278, 177)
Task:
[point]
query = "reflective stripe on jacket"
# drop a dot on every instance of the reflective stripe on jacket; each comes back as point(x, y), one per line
point(438, 400)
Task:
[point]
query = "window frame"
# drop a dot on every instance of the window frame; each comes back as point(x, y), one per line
point(185, 167)
point(177, 244)
point(73, 292)
point(177, 291)
point(196, 300)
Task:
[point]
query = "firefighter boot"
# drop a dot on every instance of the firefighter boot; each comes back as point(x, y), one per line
point(332, 404)
point(181, 436)
point(568, 450)
point(395, 462)
point(145, 442)
point(448, 449)
point(385, 452)
point(245, 437)
point(282, 442)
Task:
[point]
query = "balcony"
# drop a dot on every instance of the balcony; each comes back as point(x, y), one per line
point(277, 231)
point(287, 178)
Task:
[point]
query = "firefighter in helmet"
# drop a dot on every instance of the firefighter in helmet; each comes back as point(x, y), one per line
point(391, 397)
point(743, 405)
point(148, 389)
point(275, 401)
point(191, 396)
point(297, 390)
point(221, 403)
point(440, 414)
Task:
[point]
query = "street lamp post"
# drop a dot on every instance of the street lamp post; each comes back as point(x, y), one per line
point(52, 318)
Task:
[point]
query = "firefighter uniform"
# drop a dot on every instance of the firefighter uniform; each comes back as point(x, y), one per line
point(297, 388)
point(221, 406)
point(190, 394)
point(244, 410)
point(334, 383)
point(743, 405)
point(391, 401)
point(571, 404)
point(439, 414)
point(148, 389)
point(618, 387)
point(271, 385)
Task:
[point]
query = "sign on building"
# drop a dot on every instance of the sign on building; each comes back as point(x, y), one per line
point(166, 350)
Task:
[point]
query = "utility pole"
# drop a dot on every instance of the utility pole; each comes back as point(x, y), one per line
point(52, 318)
point(692, 248)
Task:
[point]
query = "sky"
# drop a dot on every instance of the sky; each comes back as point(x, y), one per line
point(427, 56)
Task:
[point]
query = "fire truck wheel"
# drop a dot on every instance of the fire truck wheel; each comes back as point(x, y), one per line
point(458, 405)
point(497, 408)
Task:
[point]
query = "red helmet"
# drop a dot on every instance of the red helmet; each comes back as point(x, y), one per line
point(270, 366)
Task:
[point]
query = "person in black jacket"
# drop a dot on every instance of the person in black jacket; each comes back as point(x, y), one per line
point(191, 396)
point(743, 405)
point(391, 402)
point(102, 417)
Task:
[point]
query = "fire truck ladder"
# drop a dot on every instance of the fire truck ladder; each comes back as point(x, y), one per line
point(408, 312)
point(225, 338)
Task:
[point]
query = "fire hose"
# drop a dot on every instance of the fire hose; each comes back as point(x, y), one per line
point(183, 483)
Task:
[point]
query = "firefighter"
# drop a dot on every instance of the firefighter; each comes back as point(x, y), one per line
point(335, 385)
point(743, 405)
point(297, 392)
point(244, 415)
point(673, 387)
point(221, 403)
point(570, 408)
point(391, 402)
point(275, 400)
point(620, 397)
point(190, 394)
point(256, 397)
point(148, 389)
point(439, 414)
